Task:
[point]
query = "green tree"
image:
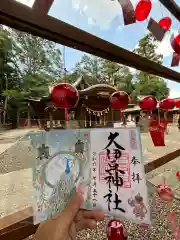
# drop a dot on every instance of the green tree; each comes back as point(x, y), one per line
point(34, 64)
point(155, 86)
point(8, 71)
point(35, 55)
point(71, 77)
point(118, 76)
point(90, 67)
point(147, 84)
point(98, 70)
point(147, 48)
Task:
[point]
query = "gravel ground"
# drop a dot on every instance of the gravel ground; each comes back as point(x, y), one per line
point(159, 230)
point(16, 178)
point(19, 156)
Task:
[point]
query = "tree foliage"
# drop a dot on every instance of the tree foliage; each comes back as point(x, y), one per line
point(29, 65)
point(147, 84)
point(147, 48)
point(8, 72)
point(99, 70)
point(90, 67)
point(153, 86)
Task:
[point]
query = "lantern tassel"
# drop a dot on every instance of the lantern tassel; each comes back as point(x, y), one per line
point(173, 220)
point(175, 60)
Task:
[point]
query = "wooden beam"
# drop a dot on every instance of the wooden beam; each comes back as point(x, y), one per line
point(20, 230)
point(172, 7)
point(161, 161)
point(25, 19)
point(42, 6)
point(15, 218)
point(18, 225)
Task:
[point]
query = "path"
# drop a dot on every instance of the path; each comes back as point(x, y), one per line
point(8, 138)
point(15, 171)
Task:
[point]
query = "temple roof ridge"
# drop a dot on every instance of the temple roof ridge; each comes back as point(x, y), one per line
point(81, 83)
point(99, 86)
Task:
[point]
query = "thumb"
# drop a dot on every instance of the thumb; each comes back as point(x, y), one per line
point(72, 208)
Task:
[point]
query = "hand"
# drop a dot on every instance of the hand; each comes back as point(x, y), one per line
point(65, 225)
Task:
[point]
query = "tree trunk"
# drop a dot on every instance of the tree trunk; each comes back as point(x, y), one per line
point(5, 110)
point(5, 103)
point(1, 125)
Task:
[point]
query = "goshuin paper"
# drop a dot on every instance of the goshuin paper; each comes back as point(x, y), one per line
point(118, 178)
point(107, 161)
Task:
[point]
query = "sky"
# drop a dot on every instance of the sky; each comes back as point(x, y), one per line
point(104, 19)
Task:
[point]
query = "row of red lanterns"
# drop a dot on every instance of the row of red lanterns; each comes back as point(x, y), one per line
point(143, 10)
point(157, 28)
point(66, 96)
point(120, 100)
point(149, 103)
point(141, 13)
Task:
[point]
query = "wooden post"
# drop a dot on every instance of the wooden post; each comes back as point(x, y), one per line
point(112, 117)
point(51, 120)
point(29, 116)
point(18, 113)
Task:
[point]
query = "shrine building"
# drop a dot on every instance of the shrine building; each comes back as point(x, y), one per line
point(92, 110)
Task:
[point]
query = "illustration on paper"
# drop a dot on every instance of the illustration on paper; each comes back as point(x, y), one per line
point(62, 162)
point(139, 208)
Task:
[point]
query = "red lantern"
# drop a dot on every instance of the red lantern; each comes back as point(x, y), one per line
point(148, 103)
point(165, 23)
point(175, 42)
point(177, 103)
point(178, 175)
point(167, 104)
point(65, 96)
point(165, 192)
point(143, 10)
point(116, 230)
point(119, 100)
point(178, 39)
